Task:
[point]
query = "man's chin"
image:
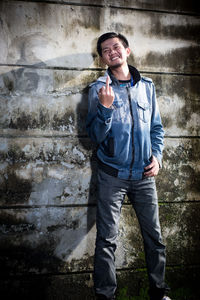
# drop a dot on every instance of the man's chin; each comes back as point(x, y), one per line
point(115, 66)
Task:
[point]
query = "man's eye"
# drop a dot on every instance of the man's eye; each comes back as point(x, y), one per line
point(105, 51)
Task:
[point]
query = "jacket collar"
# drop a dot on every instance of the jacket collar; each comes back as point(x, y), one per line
point(134, 72)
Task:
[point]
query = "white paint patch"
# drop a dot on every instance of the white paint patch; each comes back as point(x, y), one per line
point(78, 153)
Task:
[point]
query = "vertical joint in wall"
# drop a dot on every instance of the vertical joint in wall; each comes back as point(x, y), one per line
point(105, 24)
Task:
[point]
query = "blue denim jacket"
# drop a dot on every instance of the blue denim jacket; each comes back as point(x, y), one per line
point(130, 132)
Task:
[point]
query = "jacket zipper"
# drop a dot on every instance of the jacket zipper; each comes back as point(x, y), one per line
point(133, 152)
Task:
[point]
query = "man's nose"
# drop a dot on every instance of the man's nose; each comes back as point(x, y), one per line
point(112, 51)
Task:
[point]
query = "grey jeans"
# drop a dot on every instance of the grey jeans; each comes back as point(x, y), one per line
point(143, 196)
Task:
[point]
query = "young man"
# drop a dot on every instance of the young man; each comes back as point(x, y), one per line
point(124, 121)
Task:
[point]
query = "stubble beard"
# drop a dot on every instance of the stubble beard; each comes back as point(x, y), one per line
point(114, 67)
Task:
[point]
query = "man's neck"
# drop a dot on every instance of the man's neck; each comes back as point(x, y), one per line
point(121, 73)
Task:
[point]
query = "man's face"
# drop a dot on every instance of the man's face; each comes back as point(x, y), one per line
point(114, 54)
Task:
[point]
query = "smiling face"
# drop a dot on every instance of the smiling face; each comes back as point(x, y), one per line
point(114, 54)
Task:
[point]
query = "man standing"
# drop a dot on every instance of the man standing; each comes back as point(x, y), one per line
point(124, 121)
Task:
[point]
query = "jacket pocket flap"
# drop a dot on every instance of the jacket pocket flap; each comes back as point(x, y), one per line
point(144, 105)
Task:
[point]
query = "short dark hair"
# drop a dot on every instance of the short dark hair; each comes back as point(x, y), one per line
point(110, 35)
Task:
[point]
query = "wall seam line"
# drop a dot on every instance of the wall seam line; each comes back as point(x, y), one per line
point(189, 202)
point(142, 269)
point(13, 136)
point(161, 11)
point(57, 68)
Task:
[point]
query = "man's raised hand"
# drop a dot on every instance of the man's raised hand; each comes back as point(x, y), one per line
point(106, 94)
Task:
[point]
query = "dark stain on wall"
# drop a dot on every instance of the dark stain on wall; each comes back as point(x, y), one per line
point(14, 189)
point(25, 121)
point(183, 239)
point(167, 61)
point(182, 161)
point(176, 31)
point(120, 27)
point(185, 114)
point(67, 120)
point(167, 121)
point(14, 154)
point(16, 259)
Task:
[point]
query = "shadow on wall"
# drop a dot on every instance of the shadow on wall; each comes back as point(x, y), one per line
point(40, 231)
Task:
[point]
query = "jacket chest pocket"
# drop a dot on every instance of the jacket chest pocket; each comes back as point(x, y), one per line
point(143, 111)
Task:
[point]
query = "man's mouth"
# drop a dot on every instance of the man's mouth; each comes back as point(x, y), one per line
point(114, 58)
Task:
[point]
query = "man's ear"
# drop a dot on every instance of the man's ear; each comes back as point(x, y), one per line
point(128, 51)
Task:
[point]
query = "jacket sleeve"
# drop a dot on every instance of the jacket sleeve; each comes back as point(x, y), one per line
point(157, 131)
point(99, 118)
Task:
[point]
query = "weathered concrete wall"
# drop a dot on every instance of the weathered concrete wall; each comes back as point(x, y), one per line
point(47, 174)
